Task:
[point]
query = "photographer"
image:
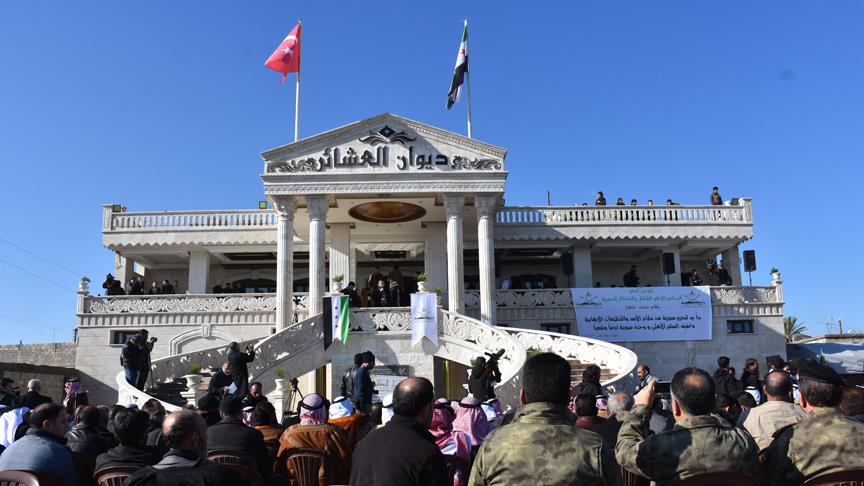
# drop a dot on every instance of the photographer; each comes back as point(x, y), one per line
point(484, 376)
point(239, 370)
point(146, 346)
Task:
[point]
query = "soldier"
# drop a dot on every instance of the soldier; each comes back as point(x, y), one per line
point(700, 443)
point(824, 441)
point(541, 444)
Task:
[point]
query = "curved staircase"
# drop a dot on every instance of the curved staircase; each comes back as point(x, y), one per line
point(298, 349)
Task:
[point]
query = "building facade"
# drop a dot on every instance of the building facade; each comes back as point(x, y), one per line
point(395, 198)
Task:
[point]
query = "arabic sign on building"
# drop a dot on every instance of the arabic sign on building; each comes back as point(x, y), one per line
point(383, 149)
point(644, 313)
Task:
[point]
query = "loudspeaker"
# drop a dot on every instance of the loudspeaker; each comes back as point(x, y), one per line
point(567, 264)
point(749, 260)
point(668, 263)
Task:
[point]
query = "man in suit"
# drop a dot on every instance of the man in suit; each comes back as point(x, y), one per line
point(231, 433)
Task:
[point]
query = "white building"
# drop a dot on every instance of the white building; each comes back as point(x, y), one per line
point(387, 192)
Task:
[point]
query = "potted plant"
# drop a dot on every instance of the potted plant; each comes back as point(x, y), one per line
point(336, 284)
point(775, 275)
point(438, 293)
point(421, 282)
point(194, 378)
point(281, 381)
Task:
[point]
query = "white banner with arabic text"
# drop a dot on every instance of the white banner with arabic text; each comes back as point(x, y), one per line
point(644, 313)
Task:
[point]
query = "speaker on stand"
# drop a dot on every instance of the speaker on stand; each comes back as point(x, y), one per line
point(750, 263)
point(668, 266)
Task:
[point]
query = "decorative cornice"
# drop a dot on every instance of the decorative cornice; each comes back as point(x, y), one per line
point(348, 187)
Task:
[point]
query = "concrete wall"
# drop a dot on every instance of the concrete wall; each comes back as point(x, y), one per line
point(99, 361)
point(49, 354)
point(53, 377)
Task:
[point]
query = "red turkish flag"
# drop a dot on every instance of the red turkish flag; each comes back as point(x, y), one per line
point(286, 57)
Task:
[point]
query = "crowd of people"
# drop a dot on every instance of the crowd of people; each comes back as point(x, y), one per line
point(600, 200)
point(784, 427)
point(136, 286)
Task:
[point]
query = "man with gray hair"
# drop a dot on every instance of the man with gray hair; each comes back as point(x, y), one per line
point(608, 430)
point(33, 398)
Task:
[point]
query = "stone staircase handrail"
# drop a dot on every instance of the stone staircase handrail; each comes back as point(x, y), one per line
point(128, 394)
point(170, 368)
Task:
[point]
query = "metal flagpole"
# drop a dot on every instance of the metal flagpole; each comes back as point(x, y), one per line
point(468, 86)
point(297, 96)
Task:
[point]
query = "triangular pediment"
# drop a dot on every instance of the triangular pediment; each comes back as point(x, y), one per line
point(383, 144)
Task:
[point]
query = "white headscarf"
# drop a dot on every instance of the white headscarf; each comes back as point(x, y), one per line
point(387, 409)
point(9, 423)
point(341, 407)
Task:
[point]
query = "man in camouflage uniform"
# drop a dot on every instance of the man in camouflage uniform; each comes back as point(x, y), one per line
point(699, 443)
point(824, 441)
point(541, 445)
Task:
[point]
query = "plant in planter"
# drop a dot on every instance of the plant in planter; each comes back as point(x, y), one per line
point(281, 382)
point(421, 282)
point(336, 284)
point(774, 270)
point(438, 293)
point(194, 377)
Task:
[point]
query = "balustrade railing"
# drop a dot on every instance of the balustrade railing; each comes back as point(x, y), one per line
point(632, 215)
point(187, 303)
point(190, 220)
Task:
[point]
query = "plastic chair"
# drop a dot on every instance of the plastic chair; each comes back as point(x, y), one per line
point(718, 479)
point(233, 456)
point(113, 476)
point(27, 478)
point(307, 464)
point(251, 475)
point(852, 477)
point(633, 479)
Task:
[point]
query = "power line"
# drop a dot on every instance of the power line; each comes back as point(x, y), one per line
point(25, 250)
point(37, 276)
point(29, 322)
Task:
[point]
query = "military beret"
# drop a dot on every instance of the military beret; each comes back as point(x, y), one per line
point(817, 372)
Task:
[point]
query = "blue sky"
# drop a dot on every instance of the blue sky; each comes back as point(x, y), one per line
point(166, 105)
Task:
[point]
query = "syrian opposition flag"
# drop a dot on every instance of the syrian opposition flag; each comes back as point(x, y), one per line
point(461, 69)
point(286, 57)
point(335, 319)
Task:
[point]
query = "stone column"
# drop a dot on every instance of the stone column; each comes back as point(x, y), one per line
point(199, 271)
point(583, 273)
point(436, 256)
point(340, 252)
point(285, 207)
point(731, 259)
point(675, 278)
point(486, 207)
point(453, 205)
point(317, 207)
point(124, 268)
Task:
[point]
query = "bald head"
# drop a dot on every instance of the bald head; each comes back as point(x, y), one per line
point(185, 430)
point(693, 391)
point(778, 386)
point(412, 395)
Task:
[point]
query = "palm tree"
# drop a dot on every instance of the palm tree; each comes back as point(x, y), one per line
point(793, 329)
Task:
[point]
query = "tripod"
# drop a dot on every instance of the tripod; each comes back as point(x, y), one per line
point(292, 396)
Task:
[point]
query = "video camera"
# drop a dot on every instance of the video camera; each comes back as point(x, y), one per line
point(494, 357)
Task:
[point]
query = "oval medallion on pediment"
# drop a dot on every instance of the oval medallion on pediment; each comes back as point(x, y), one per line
point(387, 212)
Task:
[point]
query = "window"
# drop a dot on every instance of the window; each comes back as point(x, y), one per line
point(120, 337)
point(744, 326)
point(561, 328)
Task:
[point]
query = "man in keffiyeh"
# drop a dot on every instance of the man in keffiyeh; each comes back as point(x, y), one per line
point(471, 420)
point(343, 415)
point(450, 442)
point(313, 432)
point(492, 409)
point(73, 396)
point(10, 421)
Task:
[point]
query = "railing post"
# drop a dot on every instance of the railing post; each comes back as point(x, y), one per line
point(747, 202)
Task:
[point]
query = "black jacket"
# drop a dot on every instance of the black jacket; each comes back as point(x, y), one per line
point(127, 456)
point(202, 473)
point(402, 452)
point(131, 356)
point(478, 383)
point(725, 382)
point(32, 400)
point(218, 381)
point(347, 389)
point(233, 434)
point(89, 440)
point(362, 386)
point(240, 372)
